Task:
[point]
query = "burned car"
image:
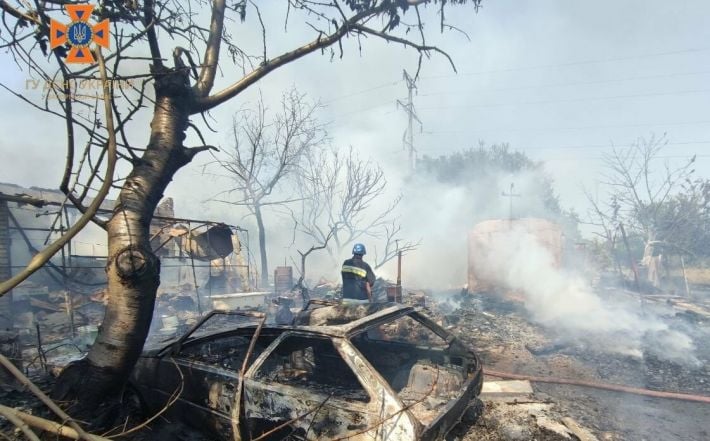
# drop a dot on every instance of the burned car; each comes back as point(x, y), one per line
point(374, 371)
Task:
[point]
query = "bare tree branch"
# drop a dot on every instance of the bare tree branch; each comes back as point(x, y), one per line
point(644, 197)
point(265, 152)
point(341, 200)
point(209, 65)
point(392, 244)
point(354, 24)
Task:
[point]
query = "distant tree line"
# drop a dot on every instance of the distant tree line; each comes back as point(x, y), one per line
point(487, 172)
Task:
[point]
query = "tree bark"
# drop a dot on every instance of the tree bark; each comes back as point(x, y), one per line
point(132, 268)
point(262, 246)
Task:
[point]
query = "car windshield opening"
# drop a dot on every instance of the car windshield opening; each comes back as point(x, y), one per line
point(314, 364)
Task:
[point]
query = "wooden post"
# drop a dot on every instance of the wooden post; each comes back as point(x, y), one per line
point(398, 295)
point(69, 246)
point(685, 277)
point(69, 302)
point(631, 259)
point(633, 268)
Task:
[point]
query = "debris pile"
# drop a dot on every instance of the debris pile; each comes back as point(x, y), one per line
point(505, 337)
point(10, 348)
point(49, 316)
point(498, 328)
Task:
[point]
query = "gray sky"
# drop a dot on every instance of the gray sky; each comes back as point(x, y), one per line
point(559, 80)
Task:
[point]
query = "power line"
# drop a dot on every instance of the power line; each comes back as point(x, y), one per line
point(523, 68)
point(572, 63)
point(589, 146)
point(577, 159)
point(583, 146)
point(352, 112)
point(514, 69)
point(525, 103)
point(360, 92)
point(579, 83)
point(534, 129)
point(572, 100)
point(499, 89)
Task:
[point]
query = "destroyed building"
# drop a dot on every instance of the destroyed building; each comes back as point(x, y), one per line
point(199, 259)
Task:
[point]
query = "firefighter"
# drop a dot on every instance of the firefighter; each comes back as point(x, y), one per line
point(358, 277)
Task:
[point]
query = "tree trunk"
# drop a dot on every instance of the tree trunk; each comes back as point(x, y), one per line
point(132, 268)
point(262, 246)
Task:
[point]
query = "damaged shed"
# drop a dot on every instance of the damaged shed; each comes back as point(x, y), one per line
point(67, 295)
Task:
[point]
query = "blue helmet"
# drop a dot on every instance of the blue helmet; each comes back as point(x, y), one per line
point(359, 249)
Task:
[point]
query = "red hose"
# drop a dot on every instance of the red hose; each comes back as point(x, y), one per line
point(605, 386)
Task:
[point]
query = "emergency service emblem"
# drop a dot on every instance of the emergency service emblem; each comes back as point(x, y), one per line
point(79, 33)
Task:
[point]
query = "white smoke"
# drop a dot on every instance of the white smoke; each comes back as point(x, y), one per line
point(566, 302)
point(442, 214)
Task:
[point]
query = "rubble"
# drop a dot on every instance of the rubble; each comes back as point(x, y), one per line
point(507, 341)
point(496, 389)
point(578, 431)
point(501, 333)
point(520, 421)
point(10, 348)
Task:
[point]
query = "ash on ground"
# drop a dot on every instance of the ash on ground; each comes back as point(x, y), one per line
point(508, 340)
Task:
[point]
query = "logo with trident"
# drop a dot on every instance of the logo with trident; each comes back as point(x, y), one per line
point(79, 34)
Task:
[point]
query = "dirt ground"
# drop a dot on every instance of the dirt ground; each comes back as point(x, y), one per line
point(508, 341)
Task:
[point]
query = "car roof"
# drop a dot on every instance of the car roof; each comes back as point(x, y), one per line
point(341, 320)
point(331, 320)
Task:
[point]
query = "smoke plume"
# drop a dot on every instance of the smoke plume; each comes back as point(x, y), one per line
point(566, 303)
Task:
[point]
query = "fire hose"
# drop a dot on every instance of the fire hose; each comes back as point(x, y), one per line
point(604, 386)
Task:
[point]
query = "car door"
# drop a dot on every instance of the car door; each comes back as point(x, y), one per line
point(199, 381)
